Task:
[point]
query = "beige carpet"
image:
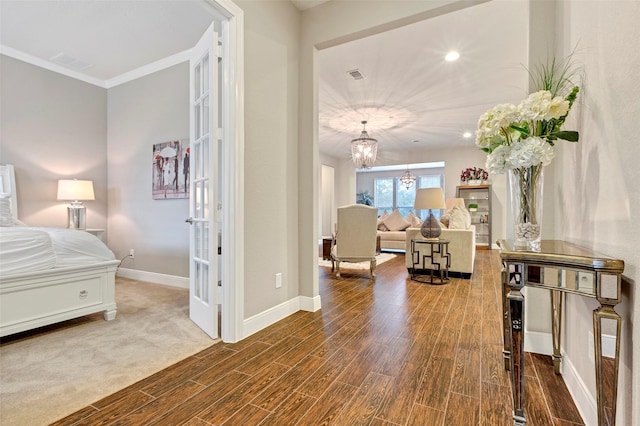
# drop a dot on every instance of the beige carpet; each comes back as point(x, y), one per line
point(381, 258)
point(47, 375)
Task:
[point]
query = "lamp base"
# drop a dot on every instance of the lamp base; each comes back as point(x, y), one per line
point(77, 214)
point(431, 227)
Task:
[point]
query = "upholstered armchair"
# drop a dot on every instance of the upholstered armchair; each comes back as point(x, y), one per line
point(355, 239)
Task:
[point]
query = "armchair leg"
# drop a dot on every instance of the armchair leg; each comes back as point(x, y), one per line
point(372, 266)
point(338, 269)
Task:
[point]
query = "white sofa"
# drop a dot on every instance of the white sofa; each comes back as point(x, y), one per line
point(462, 247)
point(392, 240)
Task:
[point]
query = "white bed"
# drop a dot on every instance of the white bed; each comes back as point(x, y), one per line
point(48, 275)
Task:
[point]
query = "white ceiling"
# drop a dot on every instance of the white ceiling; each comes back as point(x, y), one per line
point(409, 92)
point(307, 4)
point(114, 37)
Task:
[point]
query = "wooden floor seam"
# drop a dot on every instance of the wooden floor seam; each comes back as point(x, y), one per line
point(389, 352)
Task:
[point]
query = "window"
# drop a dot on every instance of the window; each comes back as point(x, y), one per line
point(404, 198)
point(430, 181)
point(383, 197)
point(390, 194)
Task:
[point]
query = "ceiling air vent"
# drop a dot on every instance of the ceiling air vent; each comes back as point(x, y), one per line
point(70, 62)
point(356, 74)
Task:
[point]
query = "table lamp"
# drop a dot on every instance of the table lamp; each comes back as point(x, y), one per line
point(76, 191)
point(430, 198)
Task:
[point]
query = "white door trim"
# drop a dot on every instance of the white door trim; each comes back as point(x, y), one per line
point(232, 195)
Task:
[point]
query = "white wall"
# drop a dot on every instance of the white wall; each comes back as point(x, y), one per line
point(597, 198)
point(271, 153)
point(141, 113)
point(53, 127)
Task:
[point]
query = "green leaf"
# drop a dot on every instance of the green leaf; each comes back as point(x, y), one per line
point(522, 130)
point(495, 142)
point(567, 135)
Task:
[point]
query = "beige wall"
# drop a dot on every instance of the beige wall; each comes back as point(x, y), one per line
point(52, 127)
point(141, 113)
point(596, 193)
point(271, 153)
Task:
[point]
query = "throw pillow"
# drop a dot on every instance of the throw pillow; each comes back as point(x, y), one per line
point(467, 217)
point(381, 225)
point(395, 221)
point(445, 219)
point(458, 219)
point(415, 221)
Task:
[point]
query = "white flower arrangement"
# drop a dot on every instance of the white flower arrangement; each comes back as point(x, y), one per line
point(523, 135)
point(520, 140)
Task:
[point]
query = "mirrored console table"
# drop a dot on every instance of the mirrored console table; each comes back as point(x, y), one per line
point(561, 268)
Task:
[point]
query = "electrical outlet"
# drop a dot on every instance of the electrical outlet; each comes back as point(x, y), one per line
point(132, 254)
point(279, 280)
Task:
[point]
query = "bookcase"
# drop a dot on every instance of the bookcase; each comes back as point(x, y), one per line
point(479, 197)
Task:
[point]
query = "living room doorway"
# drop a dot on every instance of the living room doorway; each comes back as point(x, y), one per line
point(327, 200)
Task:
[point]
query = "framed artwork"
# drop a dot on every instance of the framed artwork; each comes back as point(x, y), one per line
point(170, 170)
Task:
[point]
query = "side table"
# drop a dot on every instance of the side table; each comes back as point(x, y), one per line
point(95, 231)
point(326, 248)
point(560, 267)
point(434, 247)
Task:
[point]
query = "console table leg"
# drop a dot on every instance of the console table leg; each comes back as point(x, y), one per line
point(506, 328)
point(606, 312)
point(556, 327)
point(516, 319)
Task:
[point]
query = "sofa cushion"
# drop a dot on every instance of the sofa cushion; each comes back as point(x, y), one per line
point(395, 221)
point(392, 236)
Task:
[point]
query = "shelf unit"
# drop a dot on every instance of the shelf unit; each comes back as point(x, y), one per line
point(481, 218)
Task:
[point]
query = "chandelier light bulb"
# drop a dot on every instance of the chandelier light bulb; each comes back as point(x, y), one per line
point(364, 149)
point(452, 56)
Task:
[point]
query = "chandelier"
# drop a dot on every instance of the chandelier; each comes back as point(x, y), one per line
point(364, 149)
point(407, 178)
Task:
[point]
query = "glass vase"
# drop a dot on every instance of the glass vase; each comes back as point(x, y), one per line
point(526, 186)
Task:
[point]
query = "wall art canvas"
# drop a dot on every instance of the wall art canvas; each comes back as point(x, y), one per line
point(170, 179)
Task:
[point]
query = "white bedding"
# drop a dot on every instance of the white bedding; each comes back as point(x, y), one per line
point(27, 249)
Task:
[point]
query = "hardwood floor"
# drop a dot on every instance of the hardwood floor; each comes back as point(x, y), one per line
point(389, 352)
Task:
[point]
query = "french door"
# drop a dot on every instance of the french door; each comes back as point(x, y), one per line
point(203, 184)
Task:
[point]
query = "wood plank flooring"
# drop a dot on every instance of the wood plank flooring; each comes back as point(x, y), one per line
point(389, 352)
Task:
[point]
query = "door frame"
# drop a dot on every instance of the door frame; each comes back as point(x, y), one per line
point(232, 195)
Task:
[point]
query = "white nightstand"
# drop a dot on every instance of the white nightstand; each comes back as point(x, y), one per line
point(97, 232)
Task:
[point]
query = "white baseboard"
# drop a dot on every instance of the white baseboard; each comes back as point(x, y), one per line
point(250, 325)
point(153, 277)
point(584, 400)
point(272, 315)
point(538, 342)
point(310, 304)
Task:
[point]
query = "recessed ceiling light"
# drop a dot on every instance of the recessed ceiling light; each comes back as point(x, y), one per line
point(466, 135)
point(415, 141)
point(452, 56)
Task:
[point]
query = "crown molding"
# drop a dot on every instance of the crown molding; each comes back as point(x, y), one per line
point(105, 84)
point(145, 70)
point(33, 60)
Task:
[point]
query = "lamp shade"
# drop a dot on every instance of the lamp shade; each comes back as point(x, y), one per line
point(429, 198)
point(75, 190)
point(455, 202)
